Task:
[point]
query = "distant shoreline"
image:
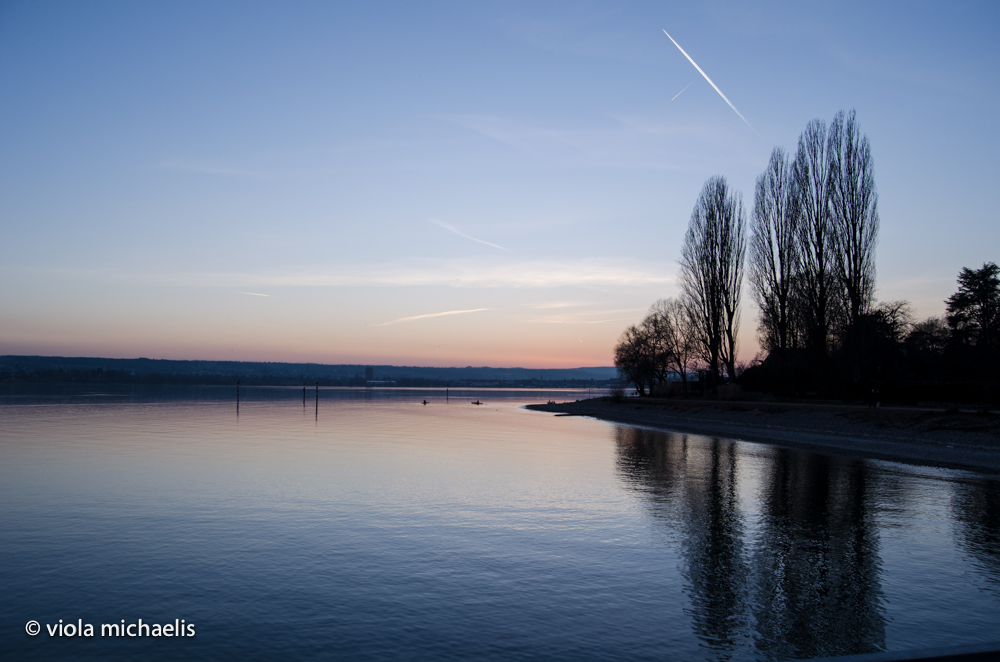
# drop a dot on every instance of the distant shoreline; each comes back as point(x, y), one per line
point(97, 370)
point(932, 437)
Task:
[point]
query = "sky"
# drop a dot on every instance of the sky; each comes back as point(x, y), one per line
point(449, 184)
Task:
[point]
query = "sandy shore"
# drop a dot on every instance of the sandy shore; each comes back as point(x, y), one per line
point(966, 440)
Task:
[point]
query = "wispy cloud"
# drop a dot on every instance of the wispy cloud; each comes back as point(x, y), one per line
point(452, 228)
point(420, 317)
point(256, 294)
point(463, 273)
point(599, 273)
point(709, 82)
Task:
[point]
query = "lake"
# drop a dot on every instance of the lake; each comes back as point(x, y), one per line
point(375, 527)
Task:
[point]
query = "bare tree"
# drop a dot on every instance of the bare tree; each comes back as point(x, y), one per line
point(926, 344)
point(854, 220)
point(633, 358)
point(815, 282)
point(854, 213)
point(684, 343)
point(774, 251)
point(656, 326)
point(677, 335)
point(733, 251)
point(897, 318)
point(928, 337)
point(712, 271)
point(700, 278)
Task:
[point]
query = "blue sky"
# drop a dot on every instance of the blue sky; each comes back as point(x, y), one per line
point(368, 167)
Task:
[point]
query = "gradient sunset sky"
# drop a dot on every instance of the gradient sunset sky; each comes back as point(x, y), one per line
point(323, 181)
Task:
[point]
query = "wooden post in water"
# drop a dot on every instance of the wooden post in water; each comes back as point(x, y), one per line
point(317, 400)
point(237, 397)
point(303, 395)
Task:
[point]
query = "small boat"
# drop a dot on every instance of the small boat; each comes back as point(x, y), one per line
point(425, 402)
point(476, 402)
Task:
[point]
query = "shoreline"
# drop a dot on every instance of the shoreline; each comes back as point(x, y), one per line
point(929, 437)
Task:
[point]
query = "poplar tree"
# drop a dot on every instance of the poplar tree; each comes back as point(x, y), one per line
point(773, 262)
point(712, 271)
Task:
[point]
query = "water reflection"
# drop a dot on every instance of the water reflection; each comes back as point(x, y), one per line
point(977, 512)
point(816, 564)
point(794, 574)
point(447, 531)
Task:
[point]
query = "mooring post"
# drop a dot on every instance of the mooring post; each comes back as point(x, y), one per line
point(303, 395)
point(237, 397)
point(317, 400)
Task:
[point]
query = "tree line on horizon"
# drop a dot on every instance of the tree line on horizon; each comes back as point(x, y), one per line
point(93, 370)
point(807, 254)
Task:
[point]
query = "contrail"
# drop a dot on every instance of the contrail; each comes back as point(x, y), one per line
point(420, 317)
point(452, 228)
point(709, 81)
point(682, 91)
point(254, 294)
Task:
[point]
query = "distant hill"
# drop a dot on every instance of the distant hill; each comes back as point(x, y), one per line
point(162, 371)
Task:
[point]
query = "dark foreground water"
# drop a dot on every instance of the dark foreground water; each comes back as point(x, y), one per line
point(379, 528)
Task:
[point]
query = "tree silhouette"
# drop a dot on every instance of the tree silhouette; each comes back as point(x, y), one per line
point(634, 357)
point(815, 285)
point(712, 271)
point(774, 252)
point(855, 223)
point(974, 310)
point(672, 324)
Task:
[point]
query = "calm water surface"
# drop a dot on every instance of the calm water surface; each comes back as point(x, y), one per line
point(381, 528)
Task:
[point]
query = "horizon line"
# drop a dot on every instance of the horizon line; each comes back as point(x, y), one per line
point(374, 365)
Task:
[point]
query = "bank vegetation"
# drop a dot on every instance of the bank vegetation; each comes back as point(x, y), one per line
point(805, 252)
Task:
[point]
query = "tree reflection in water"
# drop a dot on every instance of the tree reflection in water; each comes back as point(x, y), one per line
point(798, 578)
point(816, 563)
point(976, 505)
